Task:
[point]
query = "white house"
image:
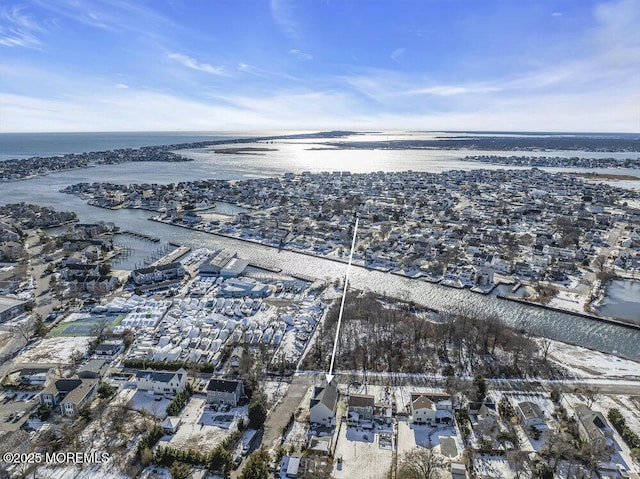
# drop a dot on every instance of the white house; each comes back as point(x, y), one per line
point(423, 411)
point(530, 414)
point(161, 382)
point(323, 405)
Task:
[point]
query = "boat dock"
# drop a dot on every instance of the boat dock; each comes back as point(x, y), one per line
point(140, 236)
point(172, 256)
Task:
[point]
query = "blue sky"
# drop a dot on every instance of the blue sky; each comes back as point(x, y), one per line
point(231, 65)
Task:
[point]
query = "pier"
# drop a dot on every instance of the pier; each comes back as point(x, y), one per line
point(172, 256)
point(140, 236)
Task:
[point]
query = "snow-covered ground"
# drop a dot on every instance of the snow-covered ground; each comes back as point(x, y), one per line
point(54, 350)
point(362, 455)
point(630, 410)
point(297, 435)
point(568, 301)
point(492, 467)
point(144, 401)
point(202, 428)
point(586, 362)
point(274, 390)
point(410, 436)
point(78, 472)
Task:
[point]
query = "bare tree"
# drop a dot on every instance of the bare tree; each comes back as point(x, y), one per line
point(590, 394)
point(100, 328)
point(518, 461)
point(23, 329)
point(593, 453)
point(420, 463)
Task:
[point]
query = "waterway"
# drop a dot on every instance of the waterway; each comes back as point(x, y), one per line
point(563, 327)
point(622, 300)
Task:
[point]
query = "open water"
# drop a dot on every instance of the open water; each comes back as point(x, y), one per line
point(298, 156)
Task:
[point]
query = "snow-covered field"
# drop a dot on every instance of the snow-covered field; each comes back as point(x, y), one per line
point(78, 472)
point(297, 435)
point(586, 362)
point(274, 390)
point(361, 456)
point(568, 301)
point(492, 467)
point(203, 428)
point(144, 401)
point(410, 436)
point(54, 350)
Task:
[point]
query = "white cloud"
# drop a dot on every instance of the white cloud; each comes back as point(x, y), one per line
point(303, 108)
point(283, 13)
point(449, 90)
point(556, 14)
point(195, 65)
point(17, 29)
point(617, 37)
point(300, 55)
point(397, 54)
point(122, 86)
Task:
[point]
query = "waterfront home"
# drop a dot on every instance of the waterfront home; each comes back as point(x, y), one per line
point(156, 274)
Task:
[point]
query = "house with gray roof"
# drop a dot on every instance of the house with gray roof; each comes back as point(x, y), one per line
point(530, 414)
point(161, 382)
point(322, 408)
point(592, 425)
point(10, 308)
point(71, 394)
point(360, 410)
point(224, 391)
point(159, 273)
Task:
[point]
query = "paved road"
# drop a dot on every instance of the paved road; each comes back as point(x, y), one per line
point(280, 414)
point(44, 301)
point(604, 385)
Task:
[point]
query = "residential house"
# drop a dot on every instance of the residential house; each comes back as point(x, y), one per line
point(109, 349)
point(323, 404)
point(530, 414)
point(171, 424)
point(423, 410)
point(11, 251)
point(161, 382)
point(78, 270)
point(35, 376)
point(592, 425)
point(10, 308)
point(79, 396)
point(360, 410)
point(224, 391)
point(155, 274)
point(71, 394)
point(94, 368)
point(483, 414)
